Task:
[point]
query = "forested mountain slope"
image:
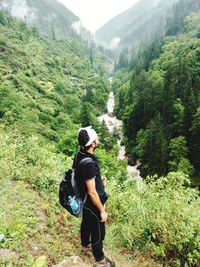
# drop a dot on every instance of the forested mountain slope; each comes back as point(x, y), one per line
point(160, 105)
point(51, 17)
point(141, 23)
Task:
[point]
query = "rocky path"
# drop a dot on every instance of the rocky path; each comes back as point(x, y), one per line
point(76, 261)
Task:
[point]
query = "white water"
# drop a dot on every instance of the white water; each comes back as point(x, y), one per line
point(112, 124)
point(111, 121)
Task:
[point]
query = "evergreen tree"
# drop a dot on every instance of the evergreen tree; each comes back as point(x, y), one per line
point(177, 151)
point(53, 31)
point(154, 158)
point(195, 146)
point(123, 59)
point(88, 116)
point(91, 57)
point(3, 18)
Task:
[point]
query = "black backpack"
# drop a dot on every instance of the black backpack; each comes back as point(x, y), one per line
point(69, 188)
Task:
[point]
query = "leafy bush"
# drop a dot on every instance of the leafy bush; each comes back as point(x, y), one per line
point(160, 217)
point(31, 160)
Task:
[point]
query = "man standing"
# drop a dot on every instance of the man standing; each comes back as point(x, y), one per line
point(91, 187)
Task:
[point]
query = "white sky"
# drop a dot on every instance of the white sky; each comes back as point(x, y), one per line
point(95, 13)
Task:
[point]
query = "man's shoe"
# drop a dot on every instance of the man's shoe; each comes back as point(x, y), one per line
point(104, 263)
point(112, 263)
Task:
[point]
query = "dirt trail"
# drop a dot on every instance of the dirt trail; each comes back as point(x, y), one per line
point(76, 261)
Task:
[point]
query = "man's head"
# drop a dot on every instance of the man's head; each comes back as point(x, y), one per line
point(88, 138)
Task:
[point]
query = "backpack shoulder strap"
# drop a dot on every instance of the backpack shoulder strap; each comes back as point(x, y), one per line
point(85, 161)
point(81, 162)
point(74, 182)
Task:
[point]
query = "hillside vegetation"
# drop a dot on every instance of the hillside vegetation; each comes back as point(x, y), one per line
point(45, 82)
point(50, 88)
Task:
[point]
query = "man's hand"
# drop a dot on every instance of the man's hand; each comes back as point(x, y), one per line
point(104, 216)
point(104, 179)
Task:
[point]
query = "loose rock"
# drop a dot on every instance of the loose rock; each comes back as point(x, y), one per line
point(7, 254)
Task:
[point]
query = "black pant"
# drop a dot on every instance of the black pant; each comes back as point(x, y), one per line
point(93, 231)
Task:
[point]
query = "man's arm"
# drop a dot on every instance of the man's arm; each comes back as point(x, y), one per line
point(91, 190)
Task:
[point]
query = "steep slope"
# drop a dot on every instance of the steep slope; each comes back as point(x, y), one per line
point(51, 17)
point(44, 81)
point(159, 104)
point(142, 22)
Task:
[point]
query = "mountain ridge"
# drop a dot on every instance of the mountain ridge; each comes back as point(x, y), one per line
point(128, 23)
point(50, 16)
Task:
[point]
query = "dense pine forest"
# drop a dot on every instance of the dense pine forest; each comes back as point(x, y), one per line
point(49, 88)
point(160, 105)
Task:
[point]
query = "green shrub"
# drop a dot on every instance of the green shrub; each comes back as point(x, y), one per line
point(31, 160)
point(161, 218)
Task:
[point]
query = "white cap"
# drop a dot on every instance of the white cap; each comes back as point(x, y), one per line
point(91, 133)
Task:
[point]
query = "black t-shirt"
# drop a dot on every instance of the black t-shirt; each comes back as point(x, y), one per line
point(87, 171)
